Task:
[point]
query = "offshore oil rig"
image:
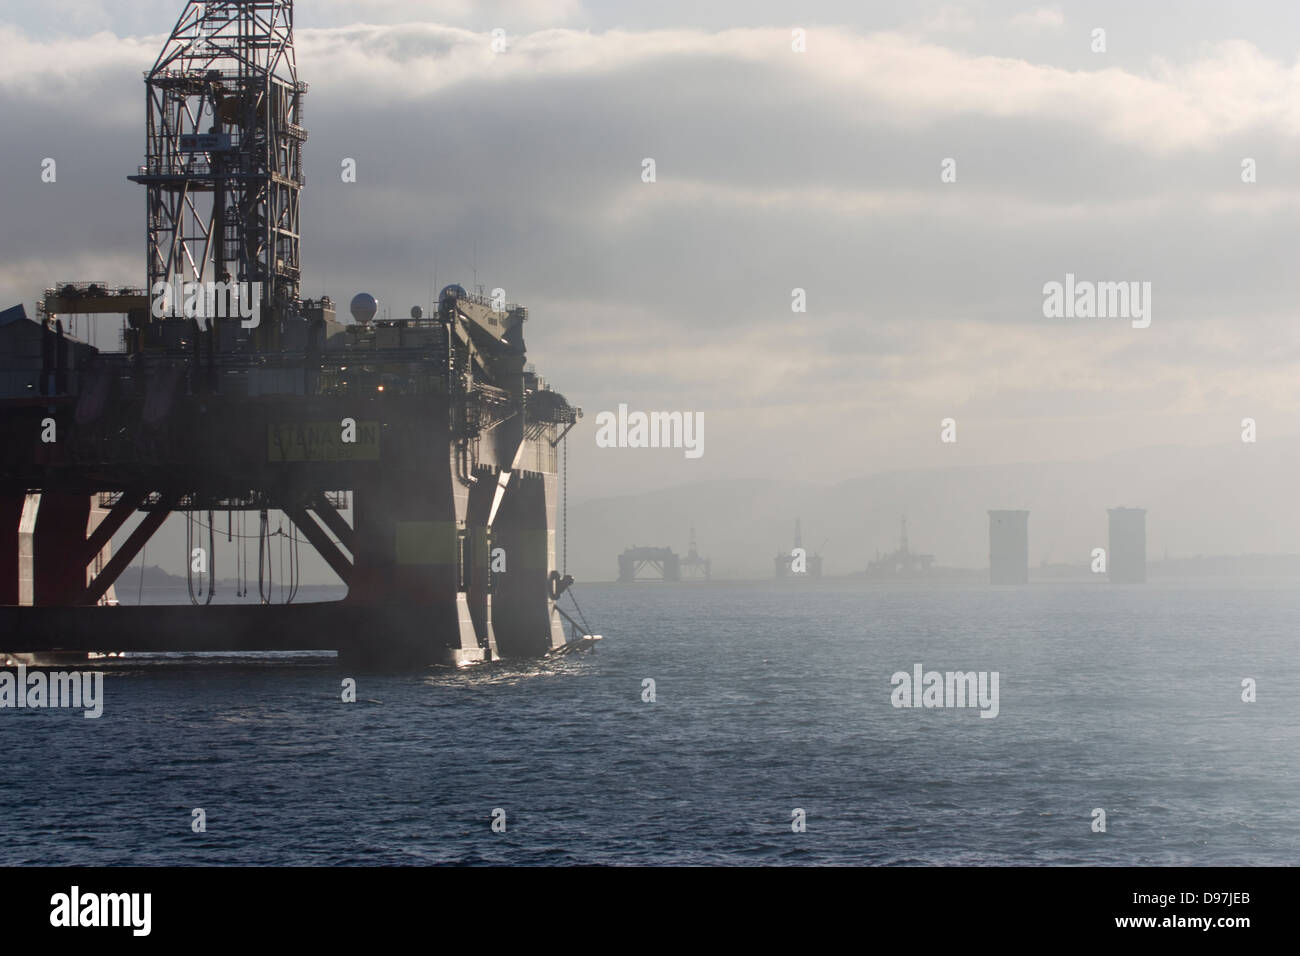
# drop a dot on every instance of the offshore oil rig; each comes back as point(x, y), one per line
point(233, 394)
point(798, 563)
point(902, 562)
point(663, 564)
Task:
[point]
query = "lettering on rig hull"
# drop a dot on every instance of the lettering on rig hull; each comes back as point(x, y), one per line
point(320, 441)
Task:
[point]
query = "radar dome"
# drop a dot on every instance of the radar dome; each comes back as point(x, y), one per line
point(364, 307)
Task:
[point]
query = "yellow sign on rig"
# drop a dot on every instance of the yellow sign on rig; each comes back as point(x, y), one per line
point(322, 441)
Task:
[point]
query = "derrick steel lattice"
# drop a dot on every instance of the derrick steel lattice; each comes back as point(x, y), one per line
point(223, 165)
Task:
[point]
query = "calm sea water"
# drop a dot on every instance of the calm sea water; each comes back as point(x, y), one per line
point(768, 698)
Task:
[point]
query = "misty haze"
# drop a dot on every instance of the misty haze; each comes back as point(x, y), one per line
point(583, 432)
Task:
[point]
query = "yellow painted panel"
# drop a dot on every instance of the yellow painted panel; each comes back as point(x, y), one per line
point(321, 441)
point(425, 542)
point(535, 545)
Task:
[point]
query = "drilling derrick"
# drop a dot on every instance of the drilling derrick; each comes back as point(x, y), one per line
point(223, 164)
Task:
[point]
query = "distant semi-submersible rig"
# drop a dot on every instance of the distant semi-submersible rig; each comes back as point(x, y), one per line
point(433, 430)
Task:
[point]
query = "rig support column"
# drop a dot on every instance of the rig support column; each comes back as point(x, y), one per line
point(58, 543)
point(11, 514)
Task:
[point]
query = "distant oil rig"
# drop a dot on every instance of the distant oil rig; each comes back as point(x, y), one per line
point(663, 564)
point(901, 563)
point(239, 396)
point(798, 563)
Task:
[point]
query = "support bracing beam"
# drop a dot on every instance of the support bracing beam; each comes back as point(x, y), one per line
point(122, 560)
point(112, 523)
point(327, 513)
point(319, 540)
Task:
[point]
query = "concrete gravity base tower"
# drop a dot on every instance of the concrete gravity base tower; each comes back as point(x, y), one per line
point(1008, 547)
point(246, 398)
point(1128, 545)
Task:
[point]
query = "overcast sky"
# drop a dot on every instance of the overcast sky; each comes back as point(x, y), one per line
point(775, 170)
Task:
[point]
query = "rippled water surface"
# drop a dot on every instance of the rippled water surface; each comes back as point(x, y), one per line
point(768, 698)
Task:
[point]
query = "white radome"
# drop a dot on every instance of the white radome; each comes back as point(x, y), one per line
point(364, 307)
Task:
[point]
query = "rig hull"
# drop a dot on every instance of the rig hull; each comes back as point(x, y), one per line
point(450, 554)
